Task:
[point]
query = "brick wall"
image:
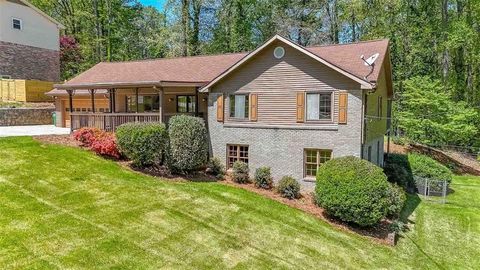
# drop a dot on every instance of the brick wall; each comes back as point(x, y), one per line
point(282, 149)
point(29, 63)
point(25, 116)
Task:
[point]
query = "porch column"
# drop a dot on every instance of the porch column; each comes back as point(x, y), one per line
point(70, 102)
point(196, 101)
point(92, 97)
point(160, 103)
point(114, 101)
point(110, 100)
point(136, 100)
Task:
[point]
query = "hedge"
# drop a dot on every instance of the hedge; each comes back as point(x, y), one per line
point(143, 143)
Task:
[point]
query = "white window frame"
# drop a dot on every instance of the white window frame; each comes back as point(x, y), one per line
point(21, 23)
point(247, 107)
point(332, 101)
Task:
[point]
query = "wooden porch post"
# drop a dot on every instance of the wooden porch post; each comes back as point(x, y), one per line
point(114, 100)
point(92, 97)
point(196, 101)
point(70, 102)
point(136, 100)
point(160, 103)
point(110, 100)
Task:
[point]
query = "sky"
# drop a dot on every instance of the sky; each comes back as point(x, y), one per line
point(155, 3)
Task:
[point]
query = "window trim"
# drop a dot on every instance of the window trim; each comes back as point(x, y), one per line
point(21, 23)
point(238, 153)
point(188, 98)
point(318, 150)
point(332, 106)
point(247, 109)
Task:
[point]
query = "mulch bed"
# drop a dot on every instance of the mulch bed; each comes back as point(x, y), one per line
point(306, 202)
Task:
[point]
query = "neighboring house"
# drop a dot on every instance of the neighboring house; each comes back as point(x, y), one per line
point(283, 105)
point(29, 51)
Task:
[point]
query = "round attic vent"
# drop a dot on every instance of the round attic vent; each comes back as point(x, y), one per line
point(279, 52)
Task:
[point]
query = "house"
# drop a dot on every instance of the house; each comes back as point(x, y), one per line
point(29, 51)
point(282, 105)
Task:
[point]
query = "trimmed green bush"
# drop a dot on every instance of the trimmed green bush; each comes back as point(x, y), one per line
point(353, 190)
point(215, 167)
point(425, 167)
point(188, 145)
point(143, 143)
point(289, 187)
point(397, 199)
point(263, 178)
point(397, 169)
point(240, 172)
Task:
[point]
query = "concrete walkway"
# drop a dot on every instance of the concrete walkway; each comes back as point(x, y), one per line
point(32, 130)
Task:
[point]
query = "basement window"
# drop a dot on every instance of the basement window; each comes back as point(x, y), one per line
point(17, 24)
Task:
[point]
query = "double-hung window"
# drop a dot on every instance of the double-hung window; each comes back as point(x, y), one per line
point(186, 104)
point(239, 106)
point(319, 106)
point(146, 103)
point(313, 159)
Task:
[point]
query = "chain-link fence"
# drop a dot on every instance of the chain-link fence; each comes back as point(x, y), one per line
point(435, 190)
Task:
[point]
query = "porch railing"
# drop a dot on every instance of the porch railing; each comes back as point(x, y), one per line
point(110, 121)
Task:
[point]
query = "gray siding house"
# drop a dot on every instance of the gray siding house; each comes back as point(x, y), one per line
point(283, 105)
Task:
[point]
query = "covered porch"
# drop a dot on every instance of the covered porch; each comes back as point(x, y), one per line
point(108, 106)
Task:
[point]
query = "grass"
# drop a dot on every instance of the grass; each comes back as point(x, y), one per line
point(63, 207)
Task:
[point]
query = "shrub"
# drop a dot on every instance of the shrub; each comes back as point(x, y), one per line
point(143, 143)
point(289, 188)
point(240, 172)
point(397, 200)
point(86, 136)
point(353, 190)
point(425, 167)
point(215, 167)
point(398, 171)
point(263, 178)
point(106, 145)
point(188, 148)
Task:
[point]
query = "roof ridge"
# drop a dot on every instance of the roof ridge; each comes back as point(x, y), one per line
point(350, 43)
point(171, 58)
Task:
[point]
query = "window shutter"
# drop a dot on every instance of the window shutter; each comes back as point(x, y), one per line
point(342, 108)
point(253, 107)
point(220, 109)
point(300, 107)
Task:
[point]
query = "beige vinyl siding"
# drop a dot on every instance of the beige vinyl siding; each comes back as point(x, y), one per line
point(276, 81)
point(377, 127)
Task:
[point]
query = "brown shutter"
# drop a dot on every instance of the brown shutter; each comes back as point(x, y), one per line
point(253, 107)
point(220, 109)
point(342, 108)
point(300, 107)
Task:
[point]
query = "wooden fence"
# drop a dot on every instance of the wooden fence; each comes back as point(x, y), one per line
point(25, 90)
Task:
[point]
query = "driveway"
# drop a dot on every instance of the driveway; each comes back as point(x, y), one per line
point(32, 130)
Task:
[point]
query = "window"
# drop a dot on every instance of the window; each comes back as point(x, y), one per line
point(239, 106)
point(186, 104)
point(17, 24)
point(319, 106)
point(145, 103)
point(378, 153)
point(313, 159)
point(236, 153)
point(369, 153)
point(380, 107)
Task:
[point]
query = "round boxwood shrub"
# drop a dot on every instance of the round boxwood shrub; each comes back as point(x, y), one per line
point(353, 190)
point(289, 187)
point(397, 200)
point(188, 146)
point(215, 167)
point(263, 178)
point(425, 167)
point(240, 172)
point(143, 143)
point(398, 171)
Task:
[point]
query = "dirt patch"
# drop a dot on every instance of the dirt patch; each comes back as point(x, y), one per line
point(379, 233)
point(66, 140)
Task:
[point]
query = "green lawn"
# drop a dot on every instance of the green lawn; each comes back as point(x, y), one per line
point(62, 207)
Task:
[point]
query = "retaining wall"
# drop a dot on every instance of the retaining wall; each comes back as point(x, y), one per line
point(25, 116)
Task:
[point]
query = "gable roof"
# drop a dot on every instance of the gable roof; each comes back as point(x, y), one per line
point(28, 4)
point(207, 70)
